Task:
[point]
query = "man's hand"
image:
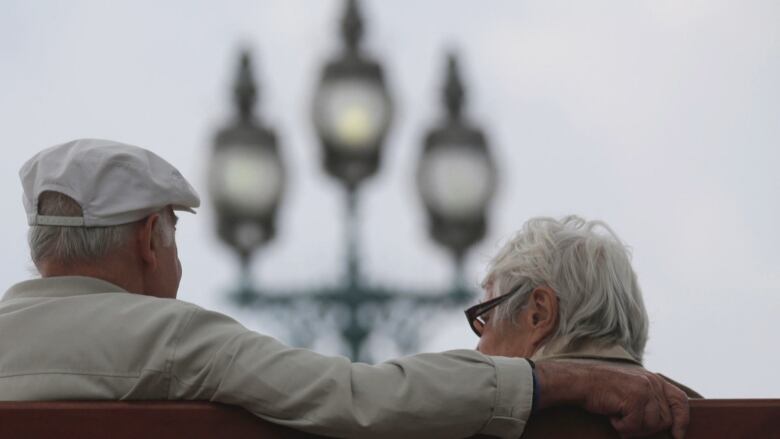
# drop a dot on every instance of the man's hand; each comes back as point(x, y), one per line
point(638, 402)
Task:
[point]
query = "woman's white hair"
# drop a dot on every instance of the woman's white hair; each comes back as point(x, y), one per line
point(589, 269)
point(67, 245)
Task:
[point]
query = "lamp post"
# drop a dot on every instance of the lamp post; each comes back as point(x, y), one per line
point(352, 112)
point(246, 178)
point(456, 175)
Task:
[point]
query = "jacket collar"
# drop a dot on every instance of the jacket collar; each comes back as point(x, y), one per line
point(589, 351)
point(61, 286)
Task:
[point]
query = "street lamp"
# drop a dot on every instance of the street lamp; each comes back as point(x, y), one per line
point(351, 112)
point(352, 109)
point(456, 175)
point(246, 177)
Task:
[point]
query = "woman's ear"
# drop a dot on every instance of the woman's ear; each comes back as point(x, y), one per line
point(541, 314)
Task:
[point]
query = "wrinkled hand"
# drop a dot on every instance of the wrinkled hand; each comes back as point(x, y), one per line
point(638, 402)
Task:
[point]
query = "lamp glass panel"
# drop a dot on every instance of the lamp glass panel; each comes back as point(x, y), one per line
point(248, 179)
point(456, 181)
point(352, 114)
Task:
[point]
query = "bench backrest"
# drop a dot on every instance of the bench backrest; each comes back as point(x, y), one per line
point(167, 420)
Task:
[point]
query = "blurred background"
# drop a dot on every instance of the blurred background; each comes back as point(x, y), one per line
point(658, 117)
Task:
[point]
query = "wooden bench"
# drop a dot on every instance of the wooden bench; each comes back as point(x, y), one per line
point(712, 418)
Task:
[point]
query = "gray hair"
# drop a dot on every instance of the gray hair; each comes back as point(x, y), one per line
point(69, 245)
point(599, 297)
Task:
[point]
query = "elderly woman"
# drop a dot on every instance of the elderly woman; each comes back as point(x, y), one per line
point(563, 289)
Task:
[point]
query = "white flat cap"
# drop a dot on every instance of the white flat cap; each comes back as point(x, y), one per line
point(113, 183)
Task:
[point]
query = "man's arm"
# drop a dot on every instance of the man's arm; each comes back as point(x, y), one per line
point(449, 395)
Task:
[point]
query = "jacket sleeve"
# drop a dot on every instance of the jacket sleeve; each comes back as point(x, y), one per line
point(452, 394)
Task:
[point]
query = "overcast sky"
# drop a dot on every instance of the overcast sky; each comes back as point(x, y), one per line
point(658, 117)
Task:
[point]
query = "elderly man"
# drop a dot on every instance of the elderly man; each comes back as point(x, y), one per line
point(103, 323)
point(563, 290)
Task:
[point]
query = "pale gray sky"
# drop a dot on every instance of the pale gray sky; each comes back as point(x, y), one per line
point(659, 117)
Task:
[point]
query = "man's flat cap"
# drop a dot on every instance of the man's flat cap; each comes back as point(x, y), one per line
point(114, 183)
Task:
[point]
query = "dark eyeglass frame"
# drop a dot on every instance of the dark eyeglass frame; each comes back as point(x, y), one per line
point(475, 312)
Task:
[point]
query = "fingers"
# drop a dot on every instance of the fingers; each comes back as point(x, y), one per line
point(638, 407)
point(680, 412)
point(652, 405)
point(662, 416)
point(629, 425)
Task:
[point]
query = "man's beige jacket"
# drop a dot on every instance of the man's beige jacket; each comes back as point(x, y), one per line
point(76, 338)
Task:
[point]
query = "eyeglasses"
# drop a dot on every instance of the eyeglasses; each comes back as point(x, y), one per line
point(476, 314)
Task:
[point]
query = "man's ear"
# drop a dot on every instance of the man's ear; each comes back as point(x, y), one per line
point(542, 314)
point(147, 244)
